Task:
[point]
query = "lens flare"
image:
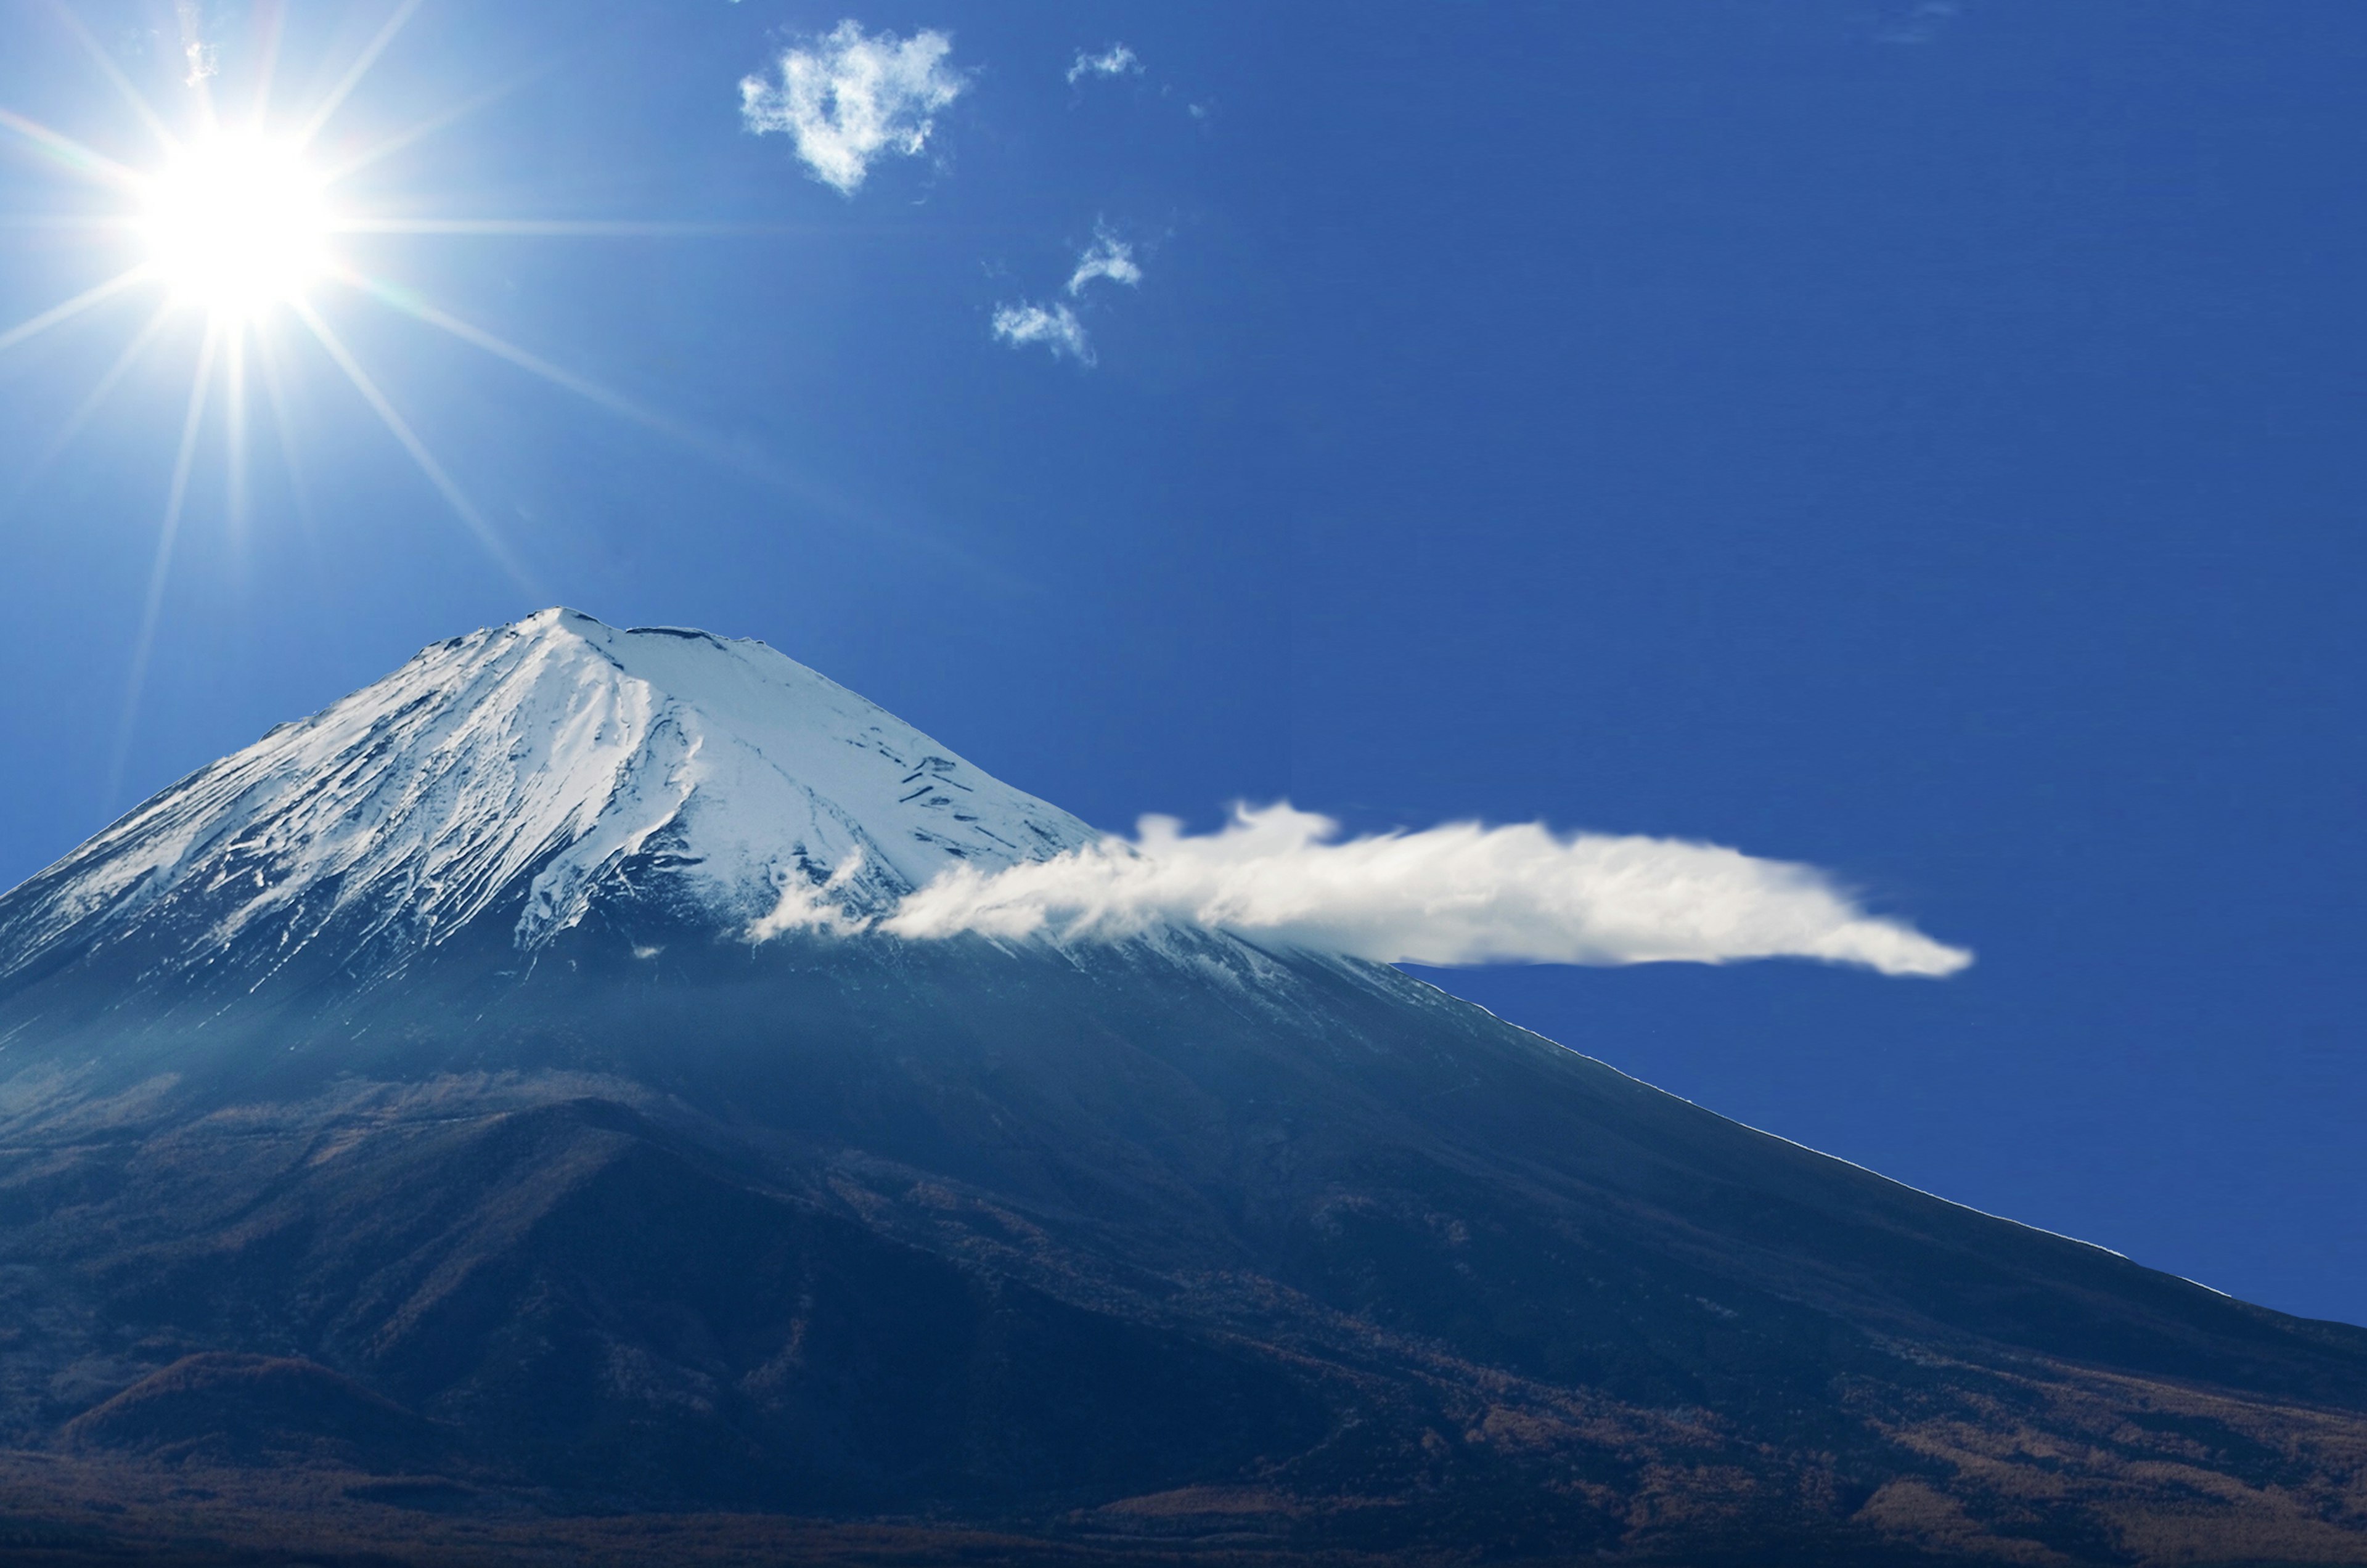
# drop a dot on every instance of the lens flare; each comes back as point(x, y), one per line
point(236, 225)
point(242, 227)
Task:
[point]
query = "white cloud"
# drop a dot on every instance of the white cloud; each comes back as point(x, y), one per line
point(1108, 257)
point(804, 906)
point(1054, 326)
point(205, 58)
point(1116, 60)
point(852, 98)
point(1057, 326)
point(1456, 894)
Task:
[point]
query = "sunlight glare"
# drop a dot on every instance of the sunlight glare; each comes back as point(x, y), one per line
point(236, 224)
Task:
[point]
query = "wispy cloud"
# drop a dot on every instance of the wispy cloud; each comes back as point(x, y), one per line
point(1917, 21)
point(204, 58)
point(1054, 326)
point(849, 98)
point(1116, 60)
point(1457, 894)
point(803, 905)
point(1057, 326)
point(1108, 257)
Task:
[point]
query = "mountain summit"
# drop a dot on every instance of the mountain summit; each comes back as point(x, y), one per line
point(519, 770)
point(408, 1148)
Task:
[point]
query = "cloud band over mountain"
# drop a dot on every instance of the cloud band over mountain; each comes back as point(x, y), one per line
point(1460, 894)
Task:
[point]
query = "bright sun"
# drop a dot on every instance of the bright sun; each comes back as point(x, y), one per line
point(240, 224)
point(236, 224)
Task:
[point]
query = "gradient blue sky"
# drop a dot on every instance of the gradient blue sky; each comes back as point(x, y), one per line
point(1916, 438)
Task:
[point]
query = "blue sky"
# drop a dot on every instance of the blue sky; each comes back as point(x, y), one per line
point(1915, 439)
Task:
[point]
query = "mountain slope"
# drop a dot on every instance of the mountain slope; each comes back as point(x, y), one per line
point(1177, 1239)
point(531, 762)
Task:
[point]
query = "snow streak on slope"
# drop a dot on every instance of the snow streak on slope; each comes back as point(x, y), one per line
point(559, 751)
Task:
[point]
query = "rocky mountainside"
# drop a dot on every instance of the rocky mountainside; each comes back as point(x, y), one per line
point(473, 1119)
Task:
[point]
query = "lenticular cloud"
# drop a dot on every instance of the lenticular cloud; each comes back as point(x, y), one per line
point(1456, 894)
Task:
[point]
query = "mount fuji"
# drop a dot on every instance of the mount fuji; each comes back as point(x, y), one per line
point(488, 1121)
point(532, 765)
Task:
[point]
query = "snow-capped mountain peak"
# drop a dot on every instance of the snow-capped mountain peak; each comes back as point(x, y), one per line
point(570, 755)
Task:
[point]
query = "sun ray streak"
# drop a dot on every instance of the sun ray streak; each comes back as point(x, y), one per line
point(328, 106)
point(160, 572)
point(429, 126)
point(725, 453)
point(589, 391)
point(65, 150)
point(114, 73)
point(453, 495)
point(234, 430)
point(274, 31)
point(267, 354)
point(90, 405)
point(533, 228)
point(87, 223)
point(36, 325)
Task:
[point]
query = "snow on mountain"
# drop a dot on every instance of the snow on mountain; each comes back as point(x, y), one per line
point(717, 773)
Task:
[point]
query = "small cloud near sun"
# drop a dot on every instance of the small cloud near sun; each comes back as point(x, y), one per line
point(1055, 326)
point(204, 58)
point(1108, 257)
point(849, 98)
point(1116, 60)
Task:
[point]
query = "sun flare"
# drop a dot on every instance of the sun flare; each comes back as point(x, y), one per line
point(250, 220)
point(236, 224)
